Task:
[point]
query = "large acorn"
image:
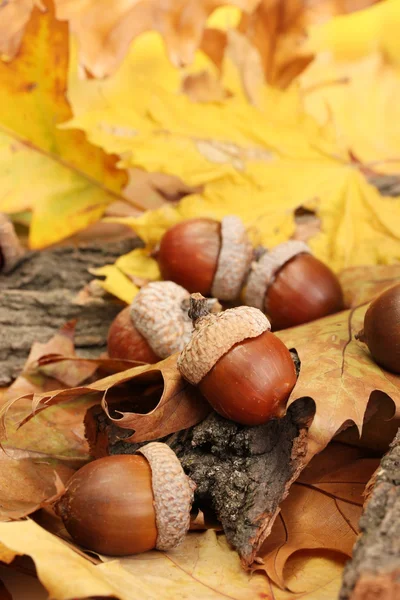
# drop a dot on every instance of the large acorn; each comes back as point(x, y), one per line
point(126, 504)
point(292, 286)
point(206, 256)
point(243, 370)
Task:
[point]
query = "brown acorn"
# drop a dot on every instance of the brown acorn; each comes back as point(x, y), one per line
point(127, 504)
point(11, 249)
point(243, 370)
point(206, 256)
point(292, 286)
point(381, 330)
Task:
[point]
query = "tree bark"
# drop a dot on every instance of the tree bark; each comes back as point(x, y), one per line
point(40, 294)
point(374, 570)
point(242, 473)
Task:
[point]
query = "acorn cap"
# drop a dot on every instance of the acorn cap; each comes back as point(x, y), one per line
point(263, 271)
point(10, 247)
point(215, 335)
point(234, 259)
point(158, 313)
point(173, 494)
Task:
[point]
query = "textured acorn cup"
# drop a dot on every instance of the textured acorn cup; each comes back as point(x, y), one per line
point(293, 287)
point(244, 371)
point(11, 249)
point(381, 330)
point(127, 504)
point(155, 326)
point(207, 257)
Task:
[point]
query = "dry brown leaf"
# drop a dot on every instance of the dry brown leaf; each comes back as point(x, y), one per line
point(105, 35)
point(153, 400)
point(152, 190)
point(14, 17)
point(203, 87)
point(362, 284)
point(322, 510)
point(338, 373)
point(29, 480)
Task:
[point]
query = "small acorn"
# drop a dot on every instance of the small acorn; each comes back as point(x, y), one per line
point(127, 504)
point(155, 325)
point(244, 371)
point(206, 256)
point(381, 330)
point(292, 286)
point(11, 249)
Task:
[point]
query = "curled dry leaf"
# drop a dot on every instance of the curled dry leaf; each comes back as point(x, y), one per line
point(153, 400)
point(322, 510)
point(338, 373)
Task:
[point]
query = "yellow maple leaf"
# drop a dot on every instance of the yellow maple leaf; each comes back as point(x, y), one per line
point(64, 180)
point(358, 58)
point(14, 17)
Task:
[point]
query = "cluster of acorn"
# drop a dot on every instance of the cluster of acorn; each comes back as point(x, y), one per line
point(244, 371)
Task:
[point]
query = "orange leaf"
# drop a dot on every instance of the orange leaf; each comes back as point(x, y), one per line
point(338, 373)
point(322, 510)
point(153, 400)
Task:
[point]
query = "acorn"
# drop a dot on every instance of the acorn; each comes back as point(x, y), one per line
point(127, 504)
point(11, 249)
point(292, 286)
point(244, 371)
point(155, 325)
point(381, 331)
point(206, 256)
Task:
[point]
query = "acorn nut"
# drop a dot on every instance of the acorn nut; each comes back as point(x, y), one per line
point(244, 371)
point(156, 324)
point(292, 286)
point(206, 256)
point(127, 504)
point(381, 330)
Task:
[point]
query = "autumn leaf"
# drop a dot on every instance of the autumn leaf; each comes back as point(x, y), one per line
point(13, 19)
point(57, 433)
point(153, 400)
point(28, 481)
point(322, 510)
point(202, 567)
point(363, 284)
point(102, 48)
point(338, 373)
point(358, 57)
point(65, 181)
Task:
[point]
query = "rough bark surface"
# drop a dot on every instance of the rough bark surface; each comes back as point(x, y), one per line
point(374, 570)
point(40, 295)
point(242, 473)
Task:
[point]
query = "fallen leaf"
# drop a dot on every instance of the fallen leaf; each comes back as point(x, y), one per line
point(102, 48)
point(58, 433)
point(338, 373)
point(363, 284)
point(153, 400)
point(65, 181)
point(29, 480)
point(279, 160)
point(322, 510)
point(360, 52)
point(13, 19)
point(204, 566)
